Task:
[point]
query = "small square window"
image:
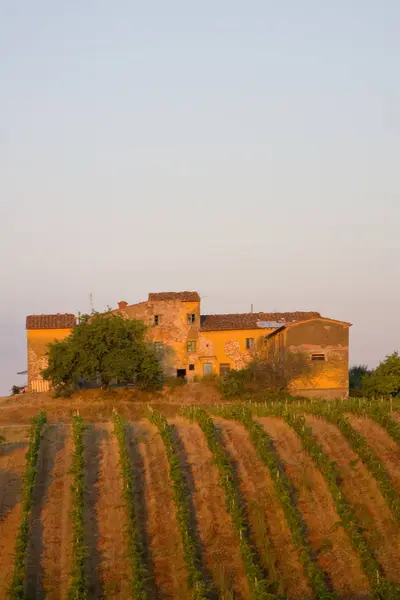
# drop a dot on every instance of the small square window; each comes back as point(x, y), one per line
point(191, 346)
point(156, 319)
point(249, 343)
point(191, 367)
point(191, 318)
point(317, 356)
point(224, 368)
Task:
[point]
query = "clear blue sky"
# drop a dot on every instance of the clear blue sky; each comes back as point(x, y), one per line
point(248, 150)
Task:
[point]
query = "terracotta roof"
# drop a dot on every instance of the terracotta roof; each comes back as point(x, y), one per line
point(252, 320)
point(182, 296)
point(65, 321)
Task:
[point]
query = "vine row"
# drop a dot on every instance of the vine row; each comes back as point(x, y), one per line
point(373, 570)
point(285, 493)
point(260, 587)
point(78, 589)
point(140, 573)
point(197, 583)
point(16, 590)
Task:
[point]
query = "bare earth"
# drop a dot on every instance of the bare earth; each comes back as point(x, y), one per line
point(360, 488)
point(220, 545)
point(381, 443)
point(265, 513)
point(331, 544)
point(49, 550)
point(163, 537)
point(12, 463)
point(49, 553)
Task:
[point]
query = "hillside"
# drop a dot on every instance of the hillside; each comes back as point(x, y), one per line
point(289, 501)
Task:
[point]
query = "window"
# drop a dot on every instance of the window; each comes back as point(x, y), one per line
point(191, 318)
point(191, 346)
point(224, 368)
point(249, 343)
point(191, 367)
point(317, 356)
point(158, 346)
point(156, 319)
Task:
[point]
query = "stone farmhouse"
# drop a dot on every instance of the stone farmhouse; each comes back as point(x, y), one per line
point(193, 344)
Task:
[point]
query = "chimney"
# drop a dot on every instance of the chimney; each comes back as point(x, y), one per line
point(122, 304)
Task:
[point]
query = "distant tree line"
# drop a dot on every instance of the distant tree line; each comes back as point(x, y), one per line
point(382, 381)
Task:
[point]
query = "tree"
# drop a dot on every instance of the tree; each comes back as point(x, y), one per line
point(356, 376)
point(105, 348)
point(269, 369)
point(276, 369)
point(385, 379)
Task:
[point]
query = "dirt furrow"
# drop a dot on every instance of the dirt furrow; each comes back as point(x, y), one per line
point(220, 546)
point(381, 443)
point(12, 463)
point(49, 548)
point(330, 543)
point(360, 488)
point(266, 516)
point(111, 518)
point(163, 539)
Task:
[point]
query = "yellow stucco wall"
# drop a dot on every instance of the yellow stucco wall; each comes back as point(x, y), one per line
point(328, 378)
point(37, 342)
point(226, 347)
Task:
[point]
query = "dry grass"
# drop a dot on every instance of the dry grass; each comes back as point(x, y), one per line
point(332, 546)
point(97, 406)
point(361, 490)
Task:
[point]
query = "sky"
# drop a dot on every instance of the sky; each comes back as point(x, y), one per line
point(247, 150)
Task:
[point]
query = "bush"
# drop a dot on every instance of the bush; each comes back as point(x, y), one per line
point(271, 371)
point(105, 348)
point(384, 380)
point(234, 383)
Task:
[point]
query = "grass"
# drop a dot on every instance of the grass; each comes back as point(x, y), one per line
point(16, 589)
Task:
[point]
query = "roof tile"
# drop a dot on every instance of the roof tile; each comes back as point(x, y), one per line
point(251, 320)
point(59, 321)
point(182, 296)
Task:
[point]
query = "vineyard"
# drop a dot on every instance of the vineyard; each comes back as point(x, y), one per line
point(282, 500)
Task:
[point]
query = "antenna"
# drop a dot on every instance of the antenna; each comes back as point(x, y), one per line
point(251, 309)
point(91, 301)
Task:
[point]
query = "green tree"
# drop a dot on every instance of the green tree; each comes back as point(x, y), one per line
point(356, 376)
point(105, 348)
point(385, 379)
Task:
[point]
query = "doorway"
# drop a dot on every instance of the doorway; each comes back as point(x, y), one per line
point(207, 368)
point(181, 373)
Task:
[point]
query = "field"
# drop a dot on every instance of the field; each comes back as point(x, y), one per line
point(179, 497)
